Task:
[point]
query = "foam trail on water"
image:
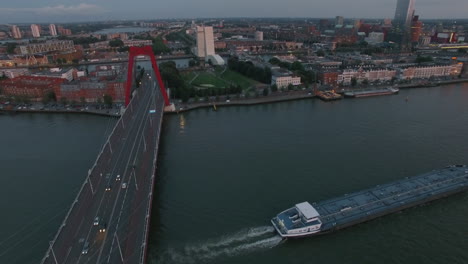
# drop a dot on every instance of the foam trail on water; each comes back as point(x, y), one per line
point(244, 248)
point(242, 242)
point(241, 236)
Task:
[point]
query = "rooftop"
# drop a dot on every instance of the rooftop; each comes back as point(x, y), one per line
point(307, 210)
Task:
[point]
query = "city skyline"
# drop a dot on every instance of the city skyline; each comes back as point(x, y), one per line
point(62, 11)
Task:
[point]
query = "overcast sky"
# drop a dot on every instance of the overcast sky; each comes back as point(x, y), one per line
point(25, 11)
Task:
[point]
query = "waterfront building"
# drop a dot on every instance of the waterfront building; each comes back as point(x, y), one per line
point(92, 90)
point(35, 29)
point(15, 32)
point(32, 87)
point(328, 77)
point(369, 74)
point(283, 78)
point(425, 72)
point(52, 30)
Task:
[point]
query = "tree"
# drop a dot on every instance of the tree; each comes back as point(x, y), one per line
point(274, 88)
point(107, 100)
point(290, 87)
point(82, 100)
point(365, 82)
point(11, 48)
point(116, 43)
point(353, 81)
point(63, 100)
point(320, 53)
point(462, 50)
point(297, 66)
point(420, 59)
point(75, 61)
point(274, 61)
point(193, 63)
point(265, 91)
point(99, 100)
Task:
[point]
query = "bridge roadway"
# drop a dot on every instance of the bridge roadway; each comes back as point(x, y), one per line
point(131, 152)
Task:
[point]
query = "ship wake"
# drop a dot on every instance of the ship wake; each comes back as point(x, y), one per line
point(242, 242)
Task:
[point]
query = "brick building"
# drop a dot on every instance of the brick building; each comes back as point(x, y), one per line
point(92, 90)
point(31, 86)
point(328, 77)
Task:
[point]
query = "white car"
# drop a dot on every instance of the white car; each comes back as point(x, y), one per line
point(96, 221)
point(124, 185)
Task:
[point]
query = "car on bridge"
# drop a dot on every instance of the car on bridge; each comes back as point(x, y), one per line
point(108, 187)
point(96, 221)
point(102, 227)
point(85, 248)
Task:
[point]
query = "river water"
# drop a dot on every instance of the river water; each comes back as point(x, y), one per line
point(223, 175)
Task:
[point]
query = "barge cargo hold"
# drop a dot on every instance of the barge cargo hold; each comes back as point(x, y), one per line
point(305, 219)
point(372, 92)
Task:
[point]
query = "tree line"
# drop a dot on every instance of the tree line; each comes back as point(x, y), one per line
point(247, 68)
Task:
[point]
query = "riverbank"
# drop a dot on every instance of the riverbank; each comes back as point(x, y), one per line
point(273, 98)
point(281, 97)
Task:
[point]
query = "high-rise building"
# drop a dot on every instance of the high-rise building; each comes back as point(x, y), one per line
point(35, 30)
point(52, 30)
point(404, 14)
point(339, 20)
point(259, 35)
point(416, 29)
point(15, 32)
point(205, 46)
point(205, 42)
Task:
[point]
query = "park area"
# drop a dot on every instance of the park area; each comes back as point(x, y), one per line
point(219, 78)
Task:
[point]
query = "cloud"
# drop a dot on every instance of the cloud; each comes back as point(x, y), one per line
point(58, 10)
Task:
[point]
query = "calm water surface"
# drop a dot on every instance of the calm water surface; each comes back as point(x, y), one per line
point(222, 176)
point(43, 162)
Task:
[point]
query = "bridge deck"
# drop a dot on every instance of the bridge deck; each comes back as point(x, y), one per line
point(131, 152)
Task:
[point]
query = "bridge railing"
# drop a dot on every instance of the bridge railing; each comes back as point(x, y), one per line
point(144, 243)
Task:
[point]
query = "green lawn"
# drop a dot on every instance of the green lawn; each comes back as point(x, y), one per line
point(208, 79)
point(188, 76)
point(205, 79)
point(237, 78)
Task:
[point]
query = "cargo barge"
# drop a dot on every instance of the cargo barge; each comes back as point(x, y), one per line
point(305, 219)
point(373, 92)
